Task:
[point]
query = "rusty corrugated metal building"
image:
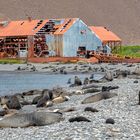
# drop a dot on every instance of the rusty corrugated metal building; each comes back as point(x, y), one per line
point(73, 35)
point(49, 37)
point(69, 37)
point(109, 39)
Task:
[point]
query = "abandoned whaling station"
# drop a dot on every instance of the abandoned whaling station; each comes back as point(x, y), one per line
point(55, 39)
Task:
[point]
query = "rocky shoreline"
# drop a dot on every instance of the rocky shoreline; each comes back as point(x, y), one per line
point(123, 108)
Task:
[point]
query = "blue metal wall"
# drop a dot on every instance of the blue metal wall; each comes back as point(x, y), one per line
point(79, 35)
point(55, 43)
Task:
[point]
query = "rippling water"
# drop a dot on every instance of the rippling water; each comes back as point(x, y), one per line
point(14, 82)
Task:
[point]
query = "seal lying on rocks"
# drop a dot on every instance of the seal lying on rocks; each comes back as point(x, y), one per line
point(41, 101)
point(79, 119)
point(60, 99)
point(31, 92)
point(64, 109)
point(98, 97)
point(9, 112)
point(91, 109)
point(31, 119)
point(36, 99)
point(108, 88)
point(110, 121)
point(12, 102)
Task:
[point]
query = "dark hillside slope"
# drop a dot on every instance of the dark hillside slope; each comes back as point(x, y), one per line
point(120, 16)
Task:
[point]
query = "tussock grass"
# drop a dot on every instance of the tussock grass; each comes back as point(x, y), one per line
point(131, 51)
point(11, 61)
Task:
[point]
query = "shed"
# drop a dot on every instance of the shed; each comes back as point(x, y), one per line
point(47, 37)
point(108, 38)
point(72, 36)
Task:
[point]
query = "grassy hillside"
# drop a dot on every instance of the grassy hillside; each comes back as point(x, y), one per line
point(132, 51)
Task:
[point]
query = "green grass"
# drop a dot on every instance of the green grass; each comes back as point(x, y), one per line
point(11, 61)
point(131, 51)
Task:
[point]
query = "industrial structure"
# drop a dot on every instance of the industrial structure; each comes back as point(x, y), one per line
point(69, 37)
point(108, 38)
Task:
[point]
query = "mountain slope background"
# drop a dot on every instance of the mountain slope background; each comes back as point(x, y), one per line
point(120, 16)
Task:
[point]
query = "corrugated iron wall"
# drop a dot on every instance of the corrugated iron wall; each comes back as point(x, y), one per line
point(79, 35)
point(55, 43)
point(66, 45)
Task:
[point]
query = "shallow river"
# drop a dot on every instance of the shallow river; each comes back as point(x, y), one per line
point(15, 82)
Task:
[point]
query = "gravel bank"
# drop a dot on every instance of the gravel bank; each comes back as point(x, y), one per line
point(122, 108)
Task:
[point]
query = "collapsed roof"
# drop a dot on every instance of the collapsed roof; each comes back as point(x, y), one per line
point(32, 27)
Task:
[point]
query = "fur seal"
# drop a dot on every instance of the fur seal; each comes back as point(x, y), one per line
point(139, 98)
point(31, 92)
point(22, 99)
point(86, 81)
point(47, 95)
point(110, 121)
point(60, 99)
point(105, 88)
point(77, 81)
point(79, 119)
point(91, 109)
point(69, 81)
point(12, 102)
point(98, 97)
point(36, 99)
point(91, 90)
point(31, 119)
point(42, 101)
point(9, 112)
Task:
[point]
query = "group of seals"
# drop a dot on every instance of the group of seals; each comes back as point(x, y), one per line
point(14, 115)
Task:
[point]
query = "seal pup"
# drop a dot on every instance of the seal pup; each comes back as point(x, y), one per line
point(91, 109)
point(110, 121)
point(86, 81)
point(139, 98)
point(31, 92)
point(108, 88)
point(77, 81)
point(79, 119)
point(9, 112)
point(47, 95)
point(69, 81)
point(60, 99)
point(12, 102)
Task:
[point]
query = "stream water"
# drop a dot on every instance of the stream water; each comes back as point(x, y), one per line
point(17, 82)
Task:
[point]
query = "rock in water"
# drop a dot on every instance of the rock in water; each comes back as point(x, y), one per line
point(31, 119)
